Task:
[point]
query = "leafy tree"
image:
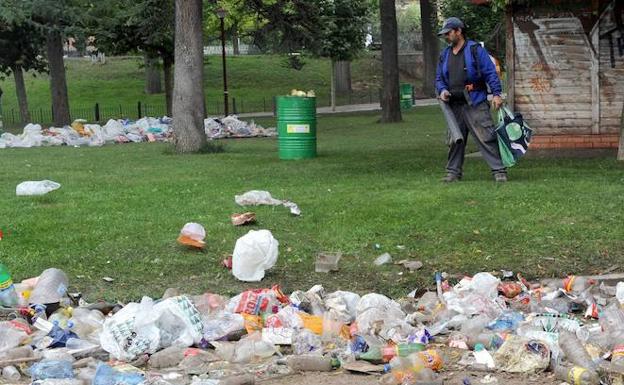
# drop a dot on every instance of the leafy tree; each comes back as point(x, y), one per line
point(148, 26)
point(21, 46)
point(483, 22)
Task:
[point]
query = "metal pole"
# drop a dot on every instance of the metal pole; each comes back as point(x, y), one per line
point(225, 88)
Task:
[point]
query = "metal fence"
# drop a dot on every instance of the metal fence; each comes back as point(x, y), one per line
point(102, 112)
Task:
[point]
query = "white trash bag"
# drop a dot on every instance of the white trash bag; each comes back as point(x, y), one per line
point(40, 187)
point(132, 331)
point(261, 197)
point(254, 253)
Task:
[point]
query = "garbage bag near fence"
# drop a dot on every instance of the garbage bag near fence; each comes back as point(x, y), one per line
point(147, 129)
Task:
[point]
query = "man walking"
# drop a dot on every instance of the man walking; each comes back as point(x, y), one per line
point(464, 72)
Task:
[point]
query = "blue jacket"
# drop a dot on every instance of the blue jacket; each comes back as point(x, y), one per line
point(488, 72)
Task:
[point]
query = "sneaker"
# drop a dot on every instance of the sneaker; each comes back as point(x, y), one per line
point(500, 177)
point(450, 178)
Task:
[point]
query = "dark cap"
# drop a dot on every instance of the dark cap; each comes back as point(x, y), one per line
point(450, 24)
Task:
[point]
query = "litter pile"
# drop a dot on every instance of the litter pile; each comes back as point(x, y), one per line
point(574, 327)
point(125, 131)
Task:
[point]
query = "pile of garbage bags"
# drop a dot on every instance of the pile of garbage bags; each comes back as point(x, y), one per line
point(125, 131)
point(573, 327)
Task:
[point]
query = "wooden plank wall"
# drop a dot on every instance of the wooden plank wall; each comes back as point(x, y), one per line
point(611, 73)
point(553, 88)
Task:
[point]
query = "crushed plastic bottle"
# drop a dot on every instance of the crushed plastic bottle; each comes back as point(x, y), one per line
point(312, 363)
point(576, 284)
point(406, 370)
point(45, 369)
point(10, 373)
point(106, 375)
point(167, 358)
point(386, 353)
point(50, 288)
point(577, 375)
point(574, 350)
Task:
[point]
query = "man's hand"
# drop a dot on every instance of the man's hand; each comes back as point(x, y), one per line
point(497, 101)
point(445, 95)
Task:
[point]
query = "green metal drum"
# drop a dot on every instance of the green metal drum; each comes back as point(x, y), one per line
point(296, 127)
point(406, 96)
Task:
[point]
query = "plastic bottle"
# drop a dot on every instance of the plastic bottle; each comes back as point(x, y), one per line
point(61, 317)
point(87, 322)
point(312, 363)
point(50, 288)
point(428, 302)
point(8, 296)
point(45, 369)
point(9, 336)
point(10, 373)
point(575, 351)
point(410, 369)
point(576, 284)
point(386, 353)
point(17, 353)
point(106, 375)
point(577, 375)
point(167, 358)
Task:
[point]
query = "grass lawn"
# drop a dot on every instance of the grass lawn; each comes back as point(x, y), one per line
point(121, 207)
point(252, 80)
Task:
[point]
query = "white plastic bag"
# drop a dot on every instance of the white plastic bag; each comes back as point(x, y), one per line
point(260, 197)
point(40, 187)
point(342, 305)
point(179, 323)
point(132, 331)
point(222, 324)
point(254, 253)
point(485, 284)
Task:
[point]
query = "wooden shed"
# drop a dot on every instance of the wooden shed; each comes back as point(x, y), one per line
point(565, 66)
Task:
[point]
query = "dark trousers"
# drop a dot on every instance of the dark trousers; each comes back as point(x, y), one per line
point(478, 121)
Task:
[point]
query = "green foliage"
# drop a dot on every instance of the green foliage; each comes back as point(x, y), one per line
point(21, 45)
point(121, 26)
point(342, 29)
point(328, 28)
point(483, 22)
point(240, 19)
point(285, 26)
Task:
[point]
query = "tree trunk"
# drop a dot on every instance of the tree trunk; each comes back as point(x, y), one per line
point(431, 46)
point(235, 45)
point(20, 90)
point(168, 70)
point(152, 75)
point(332, 90)
point(58, 85)
point(343, 76)
point(620, 155)
point(188, 91)
point(390, 106)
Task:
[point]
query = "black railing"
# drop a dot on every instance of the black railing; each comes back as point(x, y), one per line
point(102, 112)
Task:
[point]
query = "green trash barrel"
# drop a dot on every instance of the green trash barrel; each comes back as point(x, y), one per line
point(296, 127)
point(406, 96)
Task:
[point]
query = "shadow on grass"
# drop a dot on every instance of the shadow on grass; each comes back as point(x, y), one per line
point(209, 148)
